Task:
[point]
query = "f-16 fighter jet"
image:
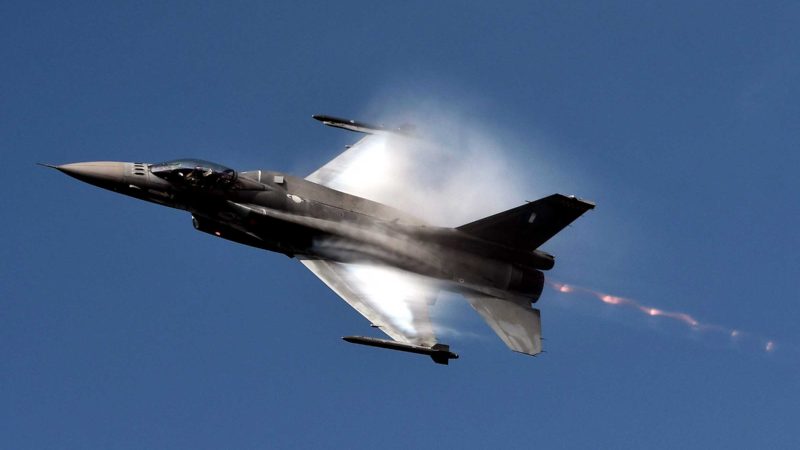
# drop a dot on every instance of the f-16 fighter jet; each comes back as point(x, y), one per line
point(387, 264)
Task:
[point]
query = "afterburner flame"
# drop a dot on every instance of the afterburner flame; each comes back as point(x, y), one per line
point(684, 318)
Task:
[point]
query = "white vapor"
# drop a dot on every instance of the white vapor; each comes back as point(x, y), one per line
point(446, 168)
point(449, 170)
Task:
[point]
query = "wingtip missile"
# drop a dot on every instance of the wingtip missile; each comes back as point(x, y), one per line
point(439, 353)
point(359, 127)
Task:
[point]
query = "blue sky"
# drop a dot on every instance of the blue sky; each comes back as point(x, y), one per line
point(122, 327)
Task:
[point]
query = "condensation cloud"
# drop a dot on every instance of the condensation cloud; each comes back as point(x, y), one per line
point(447, 170)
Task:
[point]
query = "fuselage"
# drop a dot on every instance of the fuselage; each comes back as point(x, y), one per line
point(293, 216)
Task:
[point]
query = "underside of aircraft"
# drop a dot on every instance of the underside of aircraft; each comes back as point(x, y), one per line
point(387, 264)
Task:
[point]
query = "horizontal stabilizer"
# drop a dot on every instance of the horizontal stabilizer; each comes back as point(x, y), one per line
point(529, 226)
point(516, 323)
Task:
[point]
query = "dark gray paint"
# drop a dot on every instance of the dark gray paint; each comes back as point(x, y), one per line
point(494, 258)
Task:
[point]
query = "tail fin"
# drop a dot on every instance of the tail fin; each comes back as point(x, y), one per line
point(529, 226)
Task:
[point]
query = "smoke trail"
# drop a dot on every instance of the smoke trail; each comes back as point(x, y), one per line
point(736, 336)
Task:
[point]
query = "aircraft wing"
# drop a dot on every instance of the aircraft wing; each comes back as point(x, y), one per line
point(353, 167)
point(368, 168)
point(516, 323)
point(328, 174)
point(394, 301)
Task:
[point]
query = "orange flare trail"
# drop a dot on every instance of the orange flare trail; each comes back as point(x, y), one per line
point(681, 317)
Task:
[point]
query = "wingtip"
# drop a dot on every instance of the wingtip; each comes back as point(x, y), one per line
point(588, 204)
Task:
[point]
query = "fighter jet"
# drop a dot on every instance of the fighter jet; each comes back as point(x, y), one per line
point(387, 264)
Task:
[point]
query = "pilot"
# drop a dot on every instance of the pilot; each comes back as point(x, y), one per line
point(198, 175)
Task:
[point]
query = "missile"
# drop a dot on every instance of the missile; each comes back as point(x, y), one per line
point(359, 127)
point(439, 353)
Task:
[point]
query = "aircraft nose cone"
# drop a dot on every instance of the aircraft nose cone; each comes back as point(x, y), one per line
point(97, 173)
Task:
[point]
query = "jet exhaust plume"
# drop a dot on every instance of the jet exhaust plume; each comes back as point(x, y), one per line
point(736, 336)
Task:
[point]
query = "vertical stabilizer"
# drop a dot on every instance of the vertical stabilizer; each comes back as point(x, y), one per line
point(529, 226)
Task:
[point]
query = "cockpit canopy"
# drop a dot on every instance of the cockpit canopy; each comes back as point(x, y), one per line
point(194, 173)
